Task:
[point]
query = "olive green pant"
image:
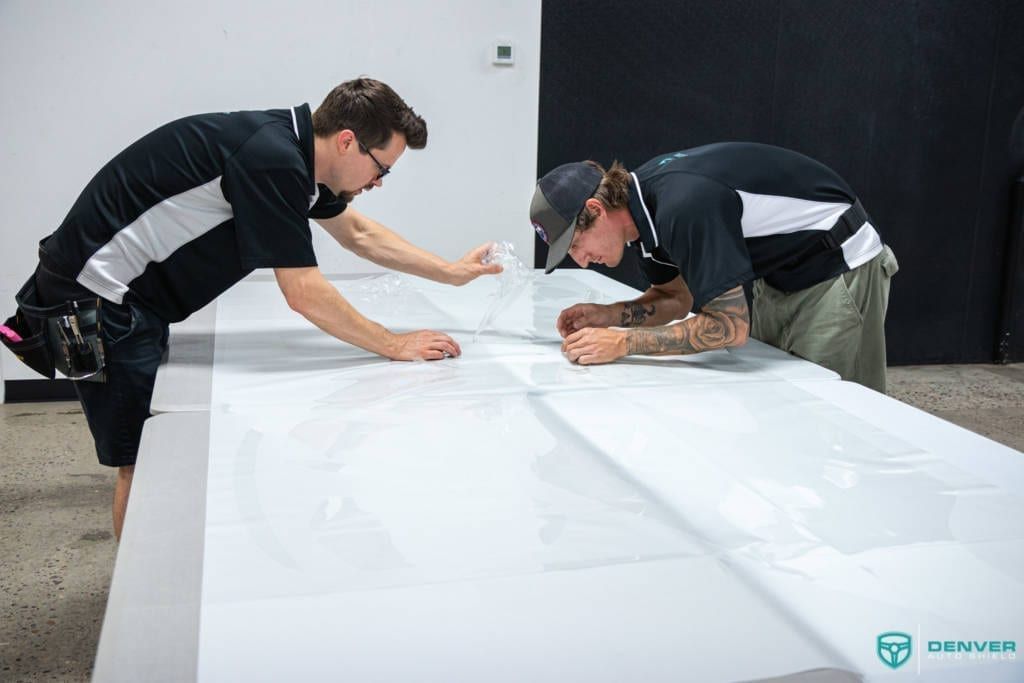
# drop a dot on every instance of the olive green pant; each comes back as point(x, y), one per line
point(839, 323)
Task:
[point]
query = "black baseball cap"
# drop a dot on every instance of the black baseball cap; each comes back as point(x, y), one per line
point(556, 204)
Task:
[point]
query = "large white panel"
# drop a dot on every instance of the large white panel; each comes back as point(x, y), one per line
point(509, 516)
point(519, 350)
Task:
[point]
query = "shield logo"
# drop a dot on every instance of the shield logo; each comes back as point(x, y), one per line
point(894, 648)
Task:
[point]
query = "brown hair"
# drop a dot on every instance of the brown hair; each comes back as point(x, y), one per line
point(613, 192)
point(373, 111)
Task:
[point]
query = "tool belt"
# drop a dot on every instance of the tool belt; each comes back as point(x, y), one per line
point(65, 337)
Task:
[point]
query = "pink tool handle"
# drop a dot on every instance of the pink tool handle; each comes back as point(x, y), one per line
point(10, 334)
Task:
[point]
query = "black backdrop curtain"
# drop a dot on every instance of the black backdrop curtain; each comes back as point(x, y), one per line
point(911, 102)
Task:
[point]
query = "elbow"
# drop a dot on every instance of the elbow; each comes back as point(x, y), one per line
point(349, 241)
point(356, 239)
point(740, 332)
point(298, 296)
point(737, 341)
point(297, 301)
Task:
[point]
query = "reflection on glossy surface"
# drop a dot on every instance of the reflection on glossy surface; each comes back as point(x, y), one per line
point(406, 503)
point(719, 496)
point(815, 475)
point(263, 354)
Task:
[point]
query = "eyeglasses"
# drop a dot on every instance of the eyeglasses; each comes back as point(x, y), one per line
point(382, 170)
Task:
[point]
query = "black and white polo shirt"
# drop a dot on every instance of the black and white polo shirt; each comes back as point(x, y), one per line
point(731, 212)
point(193, 207)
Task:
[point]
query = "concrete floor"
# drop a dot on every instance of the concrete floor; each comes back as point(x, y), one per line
point(56, 546)
point(986, 399)
point(57, 551)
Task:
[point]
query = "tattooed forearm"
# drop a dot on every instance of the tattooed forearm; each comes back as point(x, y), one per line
point(634, 314)
point(723, 322)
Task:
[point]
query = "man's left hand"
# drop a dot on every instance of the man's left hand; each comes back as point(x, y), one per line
point(471, 266)
point(593, 345)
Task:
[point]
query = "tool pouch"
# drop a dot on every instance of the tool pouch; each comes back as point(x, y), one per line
point(65, 337)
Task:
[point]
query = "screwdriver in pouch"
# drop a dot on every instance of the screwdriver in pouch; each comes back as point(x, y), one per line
point(83, 359)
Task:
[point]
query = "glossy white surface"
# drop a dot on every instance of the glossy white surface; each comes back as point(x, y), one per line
point(266, 353)
point(151, 628)
point(466, 538)
point(507, 516)
point(746, 512)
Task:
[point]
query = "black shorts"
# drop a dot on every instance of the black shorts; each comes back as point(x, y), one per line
point(134, 340)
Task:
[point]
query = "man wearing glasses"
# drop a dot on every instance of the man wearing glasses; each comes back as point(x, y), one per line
point(193, 207)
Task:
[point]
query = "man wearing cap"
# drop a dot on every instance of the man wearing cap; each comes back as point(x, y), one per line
point(704, 222)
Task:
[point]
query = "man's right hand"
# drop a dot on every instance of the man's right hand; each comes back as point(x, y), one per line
point(577, 317)
point(422, 345)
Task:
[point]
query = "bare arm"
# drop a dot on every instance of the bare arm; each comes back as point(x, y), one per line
point(375, 242)
point(723, 322)
point(312, 296)
point(659, 305)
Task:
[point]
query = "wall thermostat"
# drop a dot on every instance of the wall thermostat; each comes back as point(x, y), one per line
point(503, 53)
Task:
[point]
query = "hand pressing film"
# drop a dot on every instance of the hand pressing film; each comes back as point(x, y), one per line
point(424, 345)
point(592, 346)
point(580, 316)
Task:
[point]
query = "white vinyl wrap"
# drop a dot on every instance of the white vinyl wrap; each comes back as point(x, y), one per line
point(508, 516)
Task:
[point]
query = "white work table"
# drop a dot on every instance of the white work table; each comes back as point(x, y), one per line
point(322, 514)
point(265, 351)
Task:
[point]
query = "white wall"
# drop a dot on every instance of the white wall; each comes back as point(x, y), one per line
point(79, 81)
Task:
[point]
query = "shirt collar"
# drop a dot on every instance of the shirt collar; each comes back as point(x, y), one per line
point(302, 124)
point(641, 216)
